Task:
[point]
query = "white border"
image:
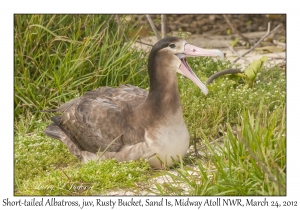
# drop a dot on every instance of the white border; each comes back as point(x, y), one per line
point(8, 8)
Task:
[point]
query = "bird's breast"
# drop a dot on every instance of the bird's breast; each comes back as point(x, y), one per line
point(168, 143)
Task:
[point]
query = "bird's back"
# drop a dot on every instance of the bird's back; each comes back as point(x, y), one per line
point(98, 120)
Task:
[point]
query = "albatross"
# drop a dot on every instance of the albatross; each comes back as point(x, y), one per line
point(128, 123)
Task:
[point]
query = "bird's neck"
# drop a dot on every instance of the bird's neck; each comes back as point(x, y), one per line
point(162, 105)
point(163, 95)
point(163, 101)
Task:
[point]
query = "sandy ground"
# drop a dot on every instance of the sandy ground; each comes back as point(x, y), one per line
point(272, 48)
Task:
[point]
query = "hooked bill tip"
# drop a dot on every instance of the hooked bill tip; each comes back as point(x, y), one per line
point(219, 53)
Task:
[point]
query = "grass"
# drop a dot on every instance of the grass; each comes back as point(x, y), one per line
point(251, 162)
point(45, 167)
point(59, 57)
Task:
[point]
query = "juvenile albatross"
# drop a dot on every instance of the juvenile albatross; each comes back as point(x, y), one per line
point(128, 123)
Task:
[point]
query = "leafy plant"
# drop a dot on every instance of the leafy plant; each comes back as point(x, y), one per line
point(252, 70)
point(249, 74)
point(234, 42)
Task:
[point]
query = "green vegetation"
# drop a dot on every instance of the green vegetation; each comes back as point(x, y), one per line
point(59, 57)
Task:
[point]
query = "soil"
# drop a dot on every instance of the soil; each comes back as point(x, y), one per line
point(213, 24)
point(212, 31)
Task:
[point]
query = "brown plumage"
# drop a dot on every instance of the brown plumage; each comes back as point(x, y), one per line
point(127, 123)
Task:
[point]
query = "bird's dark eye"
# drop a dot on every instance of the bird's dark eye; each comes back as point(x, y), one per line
point(172, 45)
